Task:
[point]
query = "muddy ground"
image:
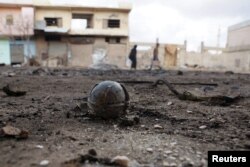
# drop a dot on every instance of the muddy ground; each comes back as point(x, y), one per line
point(58, 132)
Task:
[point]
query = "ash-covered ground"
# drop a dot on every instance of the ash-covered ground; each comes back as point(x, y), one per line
point(170, 132)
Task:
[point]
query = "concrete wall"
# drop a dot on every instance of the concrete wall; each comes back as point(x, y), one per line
point(4, 52)
point(23, 21)
point(235, 61)
point(239, 37)
point(81, 55)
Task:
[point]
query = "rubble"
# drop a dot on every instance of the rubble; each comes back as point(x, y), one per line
point(221, 100)
point(92, 158)
point(12, 90)
point(122, 161)
point(10, 131)
point(44, 163)
point(203, 127)
point(158, 126)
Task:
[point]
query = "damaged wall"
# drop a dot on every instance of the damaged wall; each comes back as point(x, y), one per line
point(235, 61)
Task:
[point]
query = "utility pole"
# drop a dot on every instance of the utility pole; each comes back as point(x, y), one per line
point(218, 40)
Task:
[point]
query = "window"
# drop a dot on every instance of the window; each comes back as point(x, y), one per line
point(88, 17)
point(53, 38)
point(111, 23)
point(113, 40)
point(9, 20)
point(53, 22)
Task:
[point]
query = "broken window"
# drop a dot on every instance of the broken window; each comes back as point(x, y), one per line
point(113, 40)
point(87, 17)
point(53, 22)
point(112, 23)
point(9, 20)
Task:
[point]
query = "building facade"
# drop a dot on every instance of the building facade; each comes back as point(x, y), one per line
point(80, 36)
point(238, 37)
point(16, 30)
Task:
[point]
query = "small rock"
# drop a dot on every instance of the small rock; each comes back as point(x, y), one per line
point(189, 111)
point(12, 90)
point(229, 72)
point(92, 152)
point(44, 163)
point(158, 126)
point(149, 150)
point(179, 72)
point(168, 152)
point(11, 74)
point(39, 146)
point(203, 127)
point(187, 164)
point(173, 164)
point(10, 131)
point(169, 103)
point(121, 161)
point(248, 134)
point(142, 126)
point(165, 164)
point(247, 145)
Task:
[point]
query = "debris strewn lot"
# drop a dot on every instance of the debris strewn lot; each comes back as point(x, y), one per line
point(157, 133)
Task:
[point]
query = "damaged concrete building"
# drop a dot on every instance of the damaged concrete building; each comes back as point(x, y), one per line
point(16, 31)
point(79, 36)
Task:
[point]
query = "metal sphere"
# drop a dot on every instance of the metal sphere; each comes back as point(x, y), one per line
point(108, 100)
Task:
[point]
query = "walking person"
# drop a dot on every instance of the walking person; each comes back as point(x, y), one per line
point(155, 61)
point(132, 57)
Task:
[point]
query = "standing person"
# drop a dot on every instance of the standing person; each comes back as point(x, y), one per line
point(132, 57)
point(155, 60)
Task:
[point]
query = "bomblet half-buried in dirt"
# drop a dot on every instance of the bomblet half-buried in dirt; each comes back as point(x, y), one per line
point(108, 100)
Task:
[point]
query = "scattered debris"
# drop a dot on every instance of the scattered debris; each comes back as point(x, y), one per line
point(189, 111)
point(40, 71)
point(11, 74)
point(149, 150)
point(44, 163)
point(13, 91)
point(92, 158)
point(203, 127)
point(33, 62)
point(179, 72)
point(173, 83)
point(168, 152)
point(92, 152)
point(158, 126)
point(122, 161)
point(165, 164)
point(229, 72)
point(248, 134)
point(104, 66)
point(125, 121)
point(39, 146)
point(108, 100)
point(10, 131)
point(169, 103)
point(212, 100)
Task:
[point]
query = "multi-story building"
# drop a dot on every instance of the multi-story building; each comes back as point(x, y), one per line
point(238, 37)
point(77, 36)
point(16, 30)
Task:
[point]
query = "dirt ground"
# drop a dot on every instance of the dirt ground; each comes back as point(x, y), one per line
point(58, 132)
